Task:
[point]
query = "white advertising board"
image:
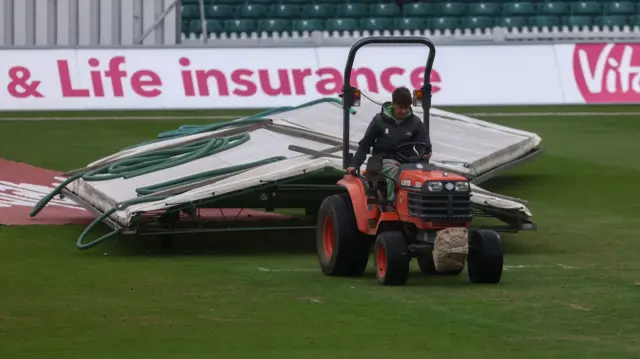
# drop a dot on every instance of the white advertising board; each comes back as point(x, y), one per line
point(271, 77)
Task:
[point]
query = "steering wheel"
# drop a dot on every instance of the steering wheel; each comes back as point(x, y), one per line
point(419, 153)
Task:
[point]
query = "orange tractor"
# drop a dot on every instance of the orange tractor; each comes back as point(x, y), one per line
point(427, 201)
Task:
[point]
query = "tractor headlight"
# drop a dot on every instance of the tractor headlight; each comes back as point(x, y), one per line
point(434, 186)
point(462, 186)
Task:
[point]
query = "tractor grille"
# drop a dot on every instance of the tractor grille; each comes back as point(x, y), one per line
point(440, 206)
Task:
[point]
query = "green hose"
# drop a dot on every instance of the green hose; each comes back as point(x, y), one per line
point(86, 231)
point(187, 130)
point(156, 160)
point(143, 191)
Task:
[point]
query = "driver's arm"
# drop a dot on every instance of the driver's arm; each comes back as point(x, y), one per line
point(368, 140)
point(421, 135)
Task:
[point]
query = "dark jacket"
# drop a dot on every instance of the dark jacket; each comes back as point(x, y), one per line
point(385, 133)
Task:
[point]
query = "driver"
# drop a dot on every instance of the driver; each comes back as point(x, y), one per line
point(393, 126)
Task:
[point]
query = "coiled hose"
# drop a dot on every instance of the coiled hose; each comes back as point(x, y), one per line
point(156, 160)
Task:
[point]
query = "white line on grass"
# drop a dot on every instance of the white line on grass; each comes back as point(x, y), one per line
point(521, 266)
point(507, 267)
point(231, 117)
point(263, 269)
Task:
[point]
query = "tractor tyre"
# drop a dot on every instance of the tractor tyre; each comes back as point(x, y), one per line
point(342, 250)
point(428, 266)
point(486, 258)
point(392, 258)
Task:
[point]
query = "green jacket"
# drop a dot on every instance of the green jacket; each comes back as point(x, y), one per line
point(385, 133)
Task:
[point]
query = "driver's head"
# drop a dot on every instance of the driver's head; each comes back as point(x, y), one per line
point(401, 100)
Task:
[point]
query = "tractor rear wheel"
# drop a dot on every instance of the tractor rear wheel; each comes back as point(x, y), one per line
point(392, 258)
point(342, 250)
point(486, 258)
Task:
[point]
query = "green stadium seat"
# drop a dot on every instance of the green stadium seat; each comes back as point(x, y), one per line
point(240, 25)
point(512, 21)
point(220, 11)
point(482, 8)
point(252, 11)
point(190, 12)
point(349, 15)
point(308, 25)
point(274, 25)
point(379, 24)
point(585, 8)
point(286, 11)
point(197, 2)
point(334, 2)
point(612, 20)
point(419, 9)
point(620, 7)
point(577, 20)
point(318, 11)
point(384, 10)
point(450, 9)
point(553, 8)
point(344, 24)
point(519, 8)
point(477, 22)
point(213, 26)
point(215, 2)
point(444, 23)
point(545, 20)
point(355, 10)
point(410, 23)
point(192, 27)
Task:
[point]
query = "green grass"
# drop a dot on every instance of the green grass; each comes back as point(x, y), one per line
point(571, 289)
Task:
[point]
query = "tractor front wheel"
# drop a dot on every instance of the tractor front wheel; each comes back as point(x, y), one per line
point(486, 258)
point(342, 250)
point(391, 258)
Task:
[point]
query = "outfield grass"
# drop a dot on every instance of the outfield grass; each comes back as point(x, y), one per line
point(571, 289)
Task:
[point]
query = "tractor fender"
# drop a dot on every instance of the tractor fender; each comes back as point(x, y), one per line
point(354, 186)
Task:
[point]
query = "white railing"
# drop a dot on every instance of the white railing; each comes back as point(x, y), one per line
point(51, 23)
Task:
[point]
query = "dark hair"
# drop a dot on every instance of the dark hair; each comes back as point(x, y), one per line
point(402, 96)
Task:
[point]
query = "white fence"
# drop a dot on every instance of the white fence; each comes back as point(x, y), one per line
point(217, 78)
point(42, 23)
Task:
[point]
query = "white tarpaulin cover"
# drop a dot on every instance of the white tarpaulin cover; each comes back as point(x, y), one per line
point(460, 144)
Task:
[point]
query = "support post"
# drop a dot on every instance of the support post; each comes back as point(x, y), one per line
point(203, 21)
point(159, 20)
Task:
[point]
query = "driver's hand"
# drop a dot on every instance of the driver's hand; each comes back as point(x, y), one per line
point(351, 171)
point(426, 156)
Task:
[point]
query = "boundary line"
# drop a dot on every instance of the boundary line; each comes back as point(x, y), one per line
point(231, 117)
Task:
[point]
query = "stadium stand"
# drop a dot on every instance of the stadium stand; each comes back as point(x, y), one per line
point(336, 18)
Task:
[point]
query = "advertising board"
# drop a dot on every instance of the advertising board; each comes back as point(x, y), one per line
point(172, 78)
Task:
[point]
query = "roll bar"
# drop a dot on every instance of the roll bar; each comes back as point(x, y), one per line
point(351, 95)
